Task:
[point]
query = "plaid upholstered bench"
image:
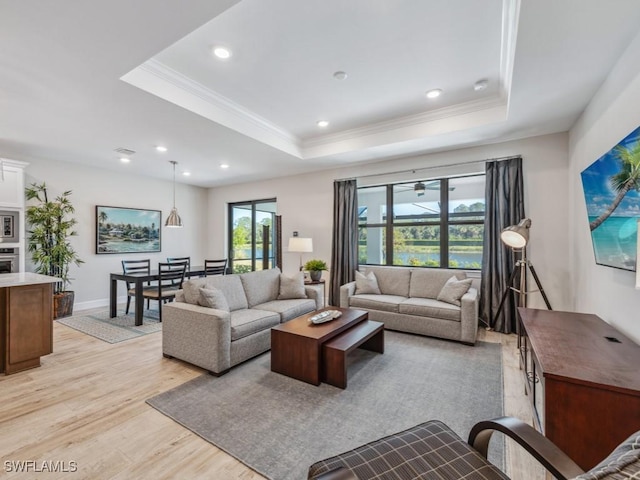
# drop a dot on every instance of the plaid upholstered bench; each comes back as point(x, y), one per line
point(433, 451)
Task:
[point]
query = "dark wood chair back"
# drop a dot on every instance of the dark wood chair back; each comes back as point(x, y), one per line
point(136, 266)
point(215, 267)
point(170, 278)
point(186, 260)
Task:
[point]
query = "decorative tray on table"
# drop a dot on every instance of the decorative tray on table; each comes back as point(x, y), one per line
point(325, 316)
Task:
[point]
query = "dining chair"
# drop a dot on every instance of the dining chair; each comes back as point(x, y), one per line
point(136, 266)
point(186, 260)
point(170, 278)
point(215, 267)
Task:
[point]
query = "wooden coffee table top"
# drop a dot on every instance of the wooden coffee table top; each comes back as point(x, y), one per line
point(302, 327)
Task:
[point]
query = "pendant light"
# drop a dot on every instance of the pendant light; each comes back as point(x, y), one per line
point(174, 220)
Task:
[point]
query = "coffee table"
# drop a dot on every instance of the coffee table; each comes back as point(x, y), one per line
point(297, 345)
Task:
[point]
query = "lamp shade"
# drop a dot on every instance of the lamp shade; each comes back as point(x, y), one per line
point(517, 236)
point(173, 220)
point(300, 245)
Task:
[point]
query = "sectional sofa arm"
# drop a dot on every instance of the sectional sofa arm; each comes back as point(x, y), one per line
point(347, 290)
point(315, 295)
point(539, 446)
point(198, 335)
point(469, 306)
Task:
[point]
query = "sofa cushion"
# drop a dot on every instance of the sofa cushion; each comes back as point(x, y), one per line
point(249, 321)
point(213, 298)
point(289, 309)
point(428, 307)
point(385, 303)
point(292, 287)
point(392, 280)
point(261, 286)
point(366, 283)
point(229, 285)
point(428, 282)
point(622, 463)
point(453, 290)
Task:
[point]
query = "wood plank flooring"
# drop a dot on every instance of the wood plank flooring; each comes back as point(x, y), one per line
point(86, 404)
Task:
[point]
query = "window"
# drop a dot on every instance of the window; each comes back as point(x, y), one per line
point(433, 223)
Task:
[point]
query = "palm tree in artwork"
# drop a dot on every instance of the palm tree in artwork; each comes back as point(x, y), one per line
point(628, 178)
point(102, 216)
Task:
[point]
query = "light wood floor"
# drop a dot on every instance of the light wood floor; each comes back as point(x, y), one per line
point(86, 404)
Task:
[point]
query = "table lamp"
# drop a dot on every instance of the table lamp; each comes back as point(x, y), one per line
point(300, 245)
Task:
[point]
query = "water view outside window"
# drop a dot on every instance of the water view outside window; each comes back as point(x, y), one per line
point(438, 223)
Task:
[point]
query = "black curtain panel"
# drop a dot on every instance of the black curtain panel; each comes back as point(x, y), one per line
point(504, 204)
point(344, 248)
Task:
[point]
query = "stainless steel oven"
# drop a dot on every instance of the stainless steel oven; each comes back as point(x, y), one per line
point(9, 260)
point(9, 228)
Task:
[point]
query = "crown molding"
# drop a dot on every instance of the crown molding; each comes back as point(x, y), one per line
point(159, 79)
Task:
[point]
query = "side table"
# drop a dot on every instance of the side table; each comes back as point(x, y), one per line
point(316, 284)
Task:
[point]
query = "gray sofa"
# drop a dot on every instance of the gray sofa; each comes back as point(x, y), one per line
point(217, 339)
point(408, 302)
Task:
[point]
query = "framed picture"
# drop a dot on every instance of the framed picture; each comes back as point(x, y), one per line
point(127, 230)
point(610, 187)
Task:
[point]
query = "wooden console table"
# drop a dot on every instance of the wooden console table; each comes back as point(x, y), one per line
point(583, 380)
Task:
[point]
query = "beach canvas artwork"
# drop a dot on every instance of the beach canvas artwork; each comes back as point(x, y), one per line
point(611, 187)
point(127, 230)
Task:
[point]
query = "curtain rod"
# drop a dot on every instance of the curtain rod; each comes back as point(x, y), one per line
point(412, 170)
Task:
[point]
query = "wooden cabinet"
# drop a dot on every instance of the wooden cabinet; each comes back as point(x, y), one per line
point(26, 326)
point(583, 380)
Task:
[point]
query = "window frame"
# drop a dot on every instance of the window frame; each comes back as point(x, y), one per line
point(443, 222)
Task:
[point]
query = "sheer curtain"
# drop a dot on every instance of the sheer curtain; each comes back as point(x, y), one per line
point(504, 206)
point(344, 248)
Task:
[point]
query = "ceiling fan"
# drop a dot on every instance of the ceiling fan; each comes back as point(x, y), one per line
point(420, 187)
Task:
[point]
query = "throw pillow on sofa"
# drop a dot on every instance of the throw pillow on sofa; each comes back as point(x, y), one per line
point(292, 287)
point(213, 298)
point(367, 283)
point(453, 290)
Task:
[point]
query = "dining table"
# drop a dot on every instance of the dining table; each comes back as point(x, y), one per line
point(139, 279)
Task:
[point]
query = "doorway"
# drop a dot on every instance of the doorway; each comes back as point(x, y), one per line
point(252, 245)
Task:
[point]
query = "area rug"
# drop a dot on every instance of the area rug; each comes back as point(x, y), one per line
point(279, 426)
point(114, 330)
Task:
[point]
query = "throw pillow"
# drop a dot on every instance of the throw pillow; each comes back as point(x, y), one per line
point(453, 290)
point(213, 298)
point(367, 283)
point(292, 287)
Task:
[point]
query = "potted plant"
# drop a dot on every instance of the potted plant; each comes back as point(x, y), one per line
point(48, 242)
point(315, 268)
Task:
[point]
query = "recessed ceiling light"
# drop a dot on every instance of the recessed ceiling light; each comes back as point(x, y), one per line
point(224, 165)
point(340, 75)
point(222, 52)
point(434, 93)
point(160, 148)
point(186, 174)
point(323, 123)
point(480, 85)
point(125, 159)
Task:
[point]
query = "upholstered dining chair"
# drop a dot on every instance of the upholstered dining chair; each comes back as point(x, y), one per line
point(136, 266)
point(433, 451)
point(170, 278)
point(215, 267)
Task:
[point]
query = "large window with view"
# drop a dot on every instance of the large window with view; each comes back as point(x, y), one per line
point(431, 223)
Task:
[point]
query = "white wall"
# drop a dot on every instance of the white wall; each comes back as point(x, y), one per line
point(611, 115)
point(306, 203)
point(91, 187)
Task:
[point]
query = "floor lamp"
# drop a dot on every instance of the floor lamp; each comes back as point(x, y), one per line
point(517, 237)
point(300, 245)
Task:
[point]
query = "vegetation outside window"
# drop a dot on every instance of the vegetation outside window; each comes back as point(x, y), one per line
point(438, 223)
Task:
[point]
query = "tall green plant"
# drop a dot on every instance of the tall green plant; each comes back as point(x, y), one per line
point(50, 228)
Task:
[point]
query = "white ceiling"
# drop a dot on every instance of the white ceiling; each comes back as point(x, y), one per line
point(79, 79)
